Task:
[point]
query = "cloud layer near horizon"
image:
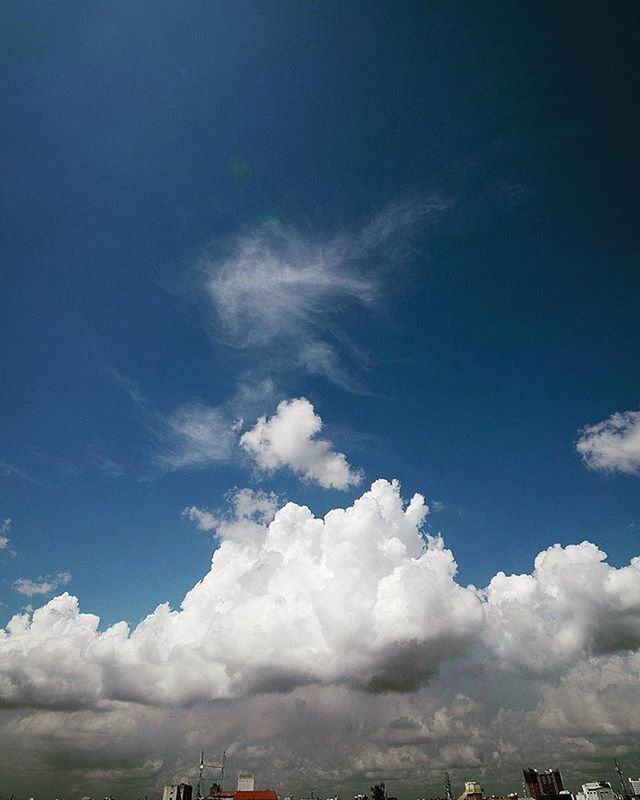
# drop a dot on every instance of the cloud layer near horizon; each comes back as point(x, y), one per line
point(359, 598)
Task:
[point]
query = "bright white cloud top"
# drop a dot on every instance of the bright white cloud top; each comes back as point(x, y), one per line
point(288, 439)
point(359, 599)
point(612, 445)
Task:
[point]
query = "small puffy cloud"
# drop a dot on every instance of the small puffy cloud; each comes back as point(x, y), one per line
point(288, 439)
point(195, 435)
point(42, 585)
point(612, 445)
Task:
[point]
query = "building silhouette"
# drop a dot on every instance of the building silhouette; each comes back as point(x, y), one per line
point(543, 784)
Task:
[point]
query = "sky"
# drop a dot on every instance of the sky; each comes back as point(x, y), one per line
point(320, 408)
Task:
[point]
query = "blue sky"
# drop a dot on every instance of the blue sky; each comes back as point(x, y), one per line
point(141, 143)
point(511, 325)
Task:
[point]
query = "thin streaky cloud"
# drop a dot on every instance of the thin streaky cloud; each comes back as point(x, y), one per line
point(195, 435)
point(130, 387)
point(9, 470)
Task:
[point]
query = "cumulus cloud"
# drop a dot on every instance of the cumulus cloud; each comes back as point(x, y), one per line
point(357, 598)
point(360, 598)
point(612, 445)
point(572, 605)
point(288, 439)
point(278, 287)
point(42, 585)
point(197, 435)
point(339, 646)
point(250, 511)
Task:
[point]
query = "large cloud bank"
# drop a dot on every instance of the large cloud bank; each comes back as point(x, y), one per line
point(360, 598)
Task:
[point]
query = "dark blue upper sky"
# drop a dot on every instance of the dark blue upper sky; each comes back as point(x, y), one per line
point(136, 137)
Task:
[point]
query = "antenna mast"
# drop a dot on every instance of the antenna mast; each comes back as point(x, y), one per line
point(447, 786)
point(202, 767)
point(622, 779)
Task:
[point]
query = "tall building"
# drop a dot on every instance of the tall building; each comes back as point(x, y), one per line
point(177, 791)
point(246, 782)
point(635, 786)
point(472, 791)
point(543, 784)
point(598, 790)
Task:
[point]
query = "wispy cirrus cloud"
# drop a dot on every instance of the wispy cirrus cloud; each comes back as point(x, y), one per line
point(280, 292)
point(612, 445)
point(193, 436)
point(9, 470)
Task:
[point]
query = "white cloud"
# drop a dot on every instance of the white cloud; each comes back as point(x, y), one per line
point(572, 605)
point(304, 600)
point(8, 470)
point(600, 696)
point(339, 646)
point(195, 435)
point(43, 585)
point(251, 511)
point(5, 543)
point(612, 445)
point(109, 467)
point(287, 439)
point(279, 291)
